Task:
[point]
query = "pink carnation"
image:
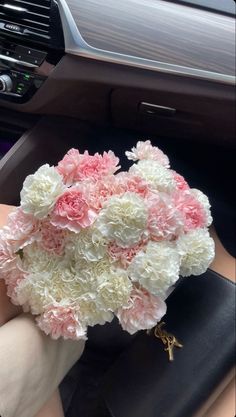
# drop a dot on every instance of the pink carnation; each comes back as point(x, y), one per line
point(60, 321)
point(22, 229)
point(164, 221)
point(72, 211)
point(97, 166)
point(191, 209)
point(143, 312)
point(68, 166)
point(76, 167)
point(13, 279)
point(100, 191)
point(124, 255)
point(132, 183)
point(8, 259)
point(181, 183)
point(52, 239)
point(145, 150)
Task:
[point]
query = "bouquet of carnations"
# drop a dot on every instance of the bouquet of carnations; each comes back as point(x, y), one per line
point(88, 243)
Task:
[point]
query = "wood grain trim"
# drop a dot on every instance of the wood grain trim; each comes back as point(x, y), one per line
point(160, 31)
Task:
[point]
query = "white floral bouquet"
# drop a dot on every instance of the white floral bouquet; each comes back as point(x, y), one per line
point(87, 244)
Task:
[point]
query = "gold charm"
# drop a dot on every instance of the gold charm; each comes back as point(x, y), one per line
point(169, 340)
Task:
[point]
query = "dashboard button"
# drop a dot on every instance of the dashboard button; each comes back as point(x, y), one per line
point(33, 59)
point(38, 82)
point(30, 54)
point(14, 75)
point(12, 27)
point(1, 85)
point(26, 77)
point(7, 52)
point(6, 83)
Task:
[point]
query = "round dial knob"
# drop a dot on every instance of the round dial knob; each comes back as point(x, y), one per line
point(6, 83)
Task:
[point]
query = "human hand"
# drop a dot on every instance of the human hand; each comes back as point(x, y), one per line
point(32, 366)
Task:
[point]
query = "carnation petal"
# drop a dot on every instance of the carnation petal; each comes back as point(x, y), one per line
point(143, 312)
point(197, 251)
point(156, 268)
point(123, 219)
point(40, 191)
point(156, 175)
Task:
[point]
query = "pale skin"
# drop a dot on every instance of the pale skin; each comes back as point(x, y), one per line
point(33, 362)
point(224, 264)
point(53, 407)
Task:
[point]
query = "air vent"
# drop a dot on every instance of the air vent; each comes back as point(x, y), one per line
point(30, 18)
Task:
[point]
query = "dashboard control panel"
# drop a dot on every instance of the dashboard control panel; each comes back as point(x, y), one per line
point(21, 72)
point(31, 45)
point(19, 84)
point(19, 53)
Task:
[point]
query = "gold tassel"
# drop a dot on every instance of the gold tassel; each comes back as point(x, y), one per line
point(168, 339)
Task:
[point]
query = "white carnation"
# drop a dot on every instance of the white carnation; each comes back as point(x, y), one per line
point(155, 174)
point(36, 259)
point(113, 290)
point(41, 289)
point(40, 191)
point(90, 312)
point(35, 292)
point(123, 219)
point(89, 245)
point(197, 251)
point(204, 201)
point(66, 284)
point(89, 272)
point(156, 268)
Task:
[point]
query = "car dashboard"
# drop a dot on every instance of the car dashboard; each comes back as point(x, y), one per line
point(140, 63)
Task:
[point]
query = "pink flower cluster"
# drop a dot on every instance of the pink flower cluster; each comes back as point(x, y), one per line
point(124, 255)
point(76, 167)
point(59, 320)
point(69, 252)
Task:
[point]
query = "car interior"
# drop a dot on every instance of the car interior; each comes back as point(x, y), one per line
point(99, 75)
